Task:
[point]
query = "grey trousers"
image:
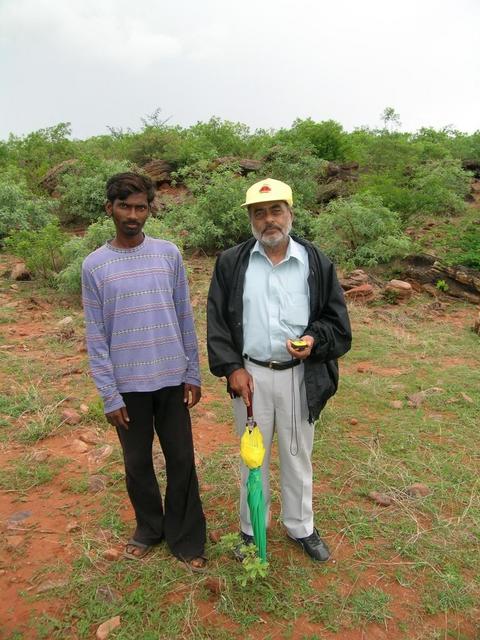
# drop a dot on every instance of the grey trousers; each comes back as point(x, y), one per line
point(280, 405)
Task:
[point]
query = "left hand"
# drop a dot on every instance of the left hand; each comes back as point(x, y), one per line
point(301, 355)
point(191, 395)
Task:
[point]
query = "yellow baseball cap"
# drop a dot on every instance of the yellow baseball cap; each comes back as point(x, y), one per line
point(267, 190)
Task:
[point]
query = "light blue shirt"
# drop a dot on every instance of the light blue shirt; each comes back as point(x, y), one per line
point(275, 302)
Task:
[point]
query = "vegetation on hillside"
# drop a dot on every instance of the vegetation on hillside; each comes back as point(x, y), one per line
point(355, 192)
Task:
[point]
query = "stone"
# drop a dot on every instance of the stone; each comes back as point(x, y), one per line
point(105, 593)
point(97, 483)
point(379, 498)
point(64, 322)
point(107, 627)
point(100, 454)
point(14, 542)
point(20, 272)
point(72, 526)
point(214, 585)
point(70, 416)
point(354, 279)
point(48, 585)
point(112, 554)
point(14, 287)
point(18, 516)
point(418, 490)
point(416, 399)
point(90, 437)
point(398, 291)
point(396, 404)
point(466, 397)
point(84, 408)
point(361, 294)
point(353, 421)
point(79, 447)
point(39, 455)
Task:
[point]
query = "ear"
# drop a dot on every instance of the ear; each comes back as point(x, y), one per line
point(108, 208)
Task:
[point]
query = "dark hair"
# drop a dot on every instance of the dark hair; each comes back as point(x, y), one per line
point(122, 185)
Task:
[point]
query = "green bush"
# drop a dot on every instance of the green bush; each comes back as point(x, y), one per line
point(213, 219)
point(69, 280)
point(41, 249)
point(326, 140)
point(360, 231)
point(440, 187)
point(19, 210)
point(82, 192)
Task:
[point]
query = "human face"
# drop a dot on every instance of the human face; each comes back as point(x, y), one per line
point(129, 217)
point(271, 222)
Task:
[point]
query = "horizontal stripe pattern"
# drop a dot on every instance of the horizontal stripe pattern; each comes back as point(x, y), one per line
point(139, 322)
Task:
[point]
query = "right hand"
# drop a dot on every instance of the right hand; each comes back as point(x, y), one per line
point(118, 418)
point(241, 383)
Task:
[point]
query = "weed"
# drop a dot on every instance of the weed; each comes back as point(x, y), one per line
point(442, 286)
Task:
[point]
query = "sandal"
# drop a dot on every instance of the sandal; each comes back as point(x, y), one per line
point(196, 565)
point(135, 550)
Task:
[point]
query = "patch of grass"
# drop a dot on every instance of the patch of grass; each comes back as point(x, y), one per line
point(449, 592)
point(23, 475)
point(369, 605)
point(27, 400)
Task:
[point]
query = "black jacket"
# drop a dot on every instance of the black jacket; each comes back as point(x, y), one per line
point(328, 322)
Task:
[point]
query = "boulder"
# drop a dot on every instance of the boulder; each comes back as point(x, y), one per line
point(361, 294)
point(399, 290)
point(354, 279)
point(20, 272)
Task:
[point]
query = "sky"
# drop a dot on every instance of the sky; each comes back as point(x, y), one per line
point(112, 63)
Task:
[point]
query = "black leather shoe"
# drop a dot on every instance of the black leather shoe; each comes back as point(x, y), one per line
point(247, 540)
point(315, 547)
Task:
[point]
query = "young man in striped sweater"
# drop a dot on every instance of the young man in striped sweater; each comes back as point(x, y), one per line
point(143, 354)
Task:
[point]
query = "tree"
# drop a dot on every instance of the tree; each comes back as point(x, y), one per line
point(391, 119)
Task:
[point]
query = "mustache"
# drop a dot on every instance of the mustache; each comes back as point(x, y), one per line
point(272, 226)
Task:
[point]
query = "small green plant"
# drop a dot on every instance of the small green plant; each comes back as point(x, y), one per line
point(442, 286)
point(390, 296)
point(253, 567)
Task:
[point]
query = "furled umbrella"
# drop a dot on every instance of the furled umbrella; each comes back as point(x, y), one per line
point(252, 452)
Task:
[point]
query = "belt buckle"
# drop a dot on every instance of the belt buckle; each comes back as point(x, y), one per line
point(272, 363)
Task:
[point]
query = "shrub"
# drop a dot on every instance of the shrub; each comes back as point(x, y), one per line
point(440, 187)
point(41, 249)
point(77, 249)
point(360, 230)
point(82, 193)
point(214, 219)
point(326, 140)
point(19, 210)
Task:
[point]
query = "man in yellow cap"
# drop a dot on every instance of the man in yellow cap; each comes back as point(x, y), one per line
point(277, 322)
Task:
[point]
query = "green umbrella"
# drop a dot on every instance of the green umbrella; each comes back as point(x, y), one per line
point(253, 451)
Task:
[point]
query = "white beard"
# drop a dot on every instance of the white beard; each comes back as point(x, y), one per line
point(272, 241)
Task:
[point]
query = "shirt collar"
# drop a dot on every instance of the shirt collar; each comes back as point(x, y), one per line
point(293, 251)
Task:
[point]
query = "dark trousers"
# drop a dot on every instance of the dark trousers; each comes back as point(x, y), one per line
point(182, 522)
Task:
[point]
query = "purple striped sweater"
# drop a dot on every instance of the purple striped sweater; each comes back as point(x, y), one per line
point(139, 322)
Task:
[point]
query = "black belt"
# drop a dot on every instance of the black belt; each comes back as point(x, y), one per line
point(274, 364)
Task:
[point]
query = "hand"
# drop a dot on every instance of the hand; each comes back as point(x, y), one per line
point(301, 355)
point(241, 383)
point(119, 417)
point(191, 395)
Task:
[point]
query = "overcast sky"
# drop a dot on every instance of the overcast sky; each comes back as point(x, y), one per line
point(262, 62)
